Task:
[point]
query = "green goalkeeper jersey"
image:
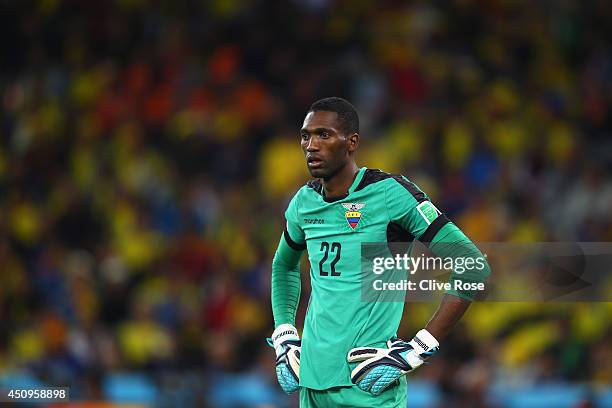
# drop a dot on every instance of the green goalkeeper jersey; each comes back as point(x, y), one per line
point(379, 207)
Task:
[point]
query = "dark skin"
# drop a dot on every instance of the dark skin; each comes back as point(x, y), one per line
point(330, 156)
point(450, 311)
point(329, 151)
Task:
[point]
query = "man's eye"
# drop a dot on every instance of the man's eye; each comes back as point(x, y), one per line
point(324, 135)
point(304, 136)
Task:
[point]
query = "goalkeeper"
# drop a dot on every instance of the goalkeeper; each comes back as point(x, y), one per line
point(349, 354)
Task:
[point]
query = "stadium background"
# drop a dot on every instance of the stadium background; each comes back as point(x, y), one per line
point(148, 149)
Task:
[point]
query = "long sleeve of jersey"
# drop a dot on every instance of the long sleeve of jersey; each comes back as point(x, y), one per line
point(286, 283)
point(451, 243)
point(412, 210)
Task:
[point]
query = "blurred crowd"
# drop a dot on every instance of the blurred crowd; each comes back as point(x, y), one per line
point(148, 149)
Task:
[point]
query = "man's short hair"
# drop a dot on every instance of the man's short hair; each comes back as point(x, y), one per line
point(347, 115)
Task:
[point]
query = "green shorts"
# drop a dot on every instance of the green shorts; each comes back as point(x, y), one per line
point(353, 397)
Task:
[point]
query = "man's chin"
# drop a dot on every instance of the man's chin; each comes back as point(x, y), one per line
point(317, 173)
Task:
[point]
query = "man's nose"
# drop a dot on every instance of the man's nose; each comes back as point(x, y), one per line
point(313, 144)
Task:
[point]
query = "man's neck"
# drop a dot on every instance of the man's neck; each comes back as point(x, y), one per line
point(339, 184)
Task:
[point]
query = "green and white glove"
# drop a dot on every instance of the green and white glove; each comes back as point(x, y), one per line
point(381, 367)
point(287, 346)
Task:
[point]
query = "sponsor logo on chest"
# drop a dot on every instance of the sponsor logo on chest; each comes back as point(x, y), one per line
point(353, 213)
point(314, 221)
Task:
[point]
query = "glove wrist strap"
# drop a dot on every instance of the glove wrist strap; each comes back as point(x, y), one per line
point(283, 333)
point(424, 341)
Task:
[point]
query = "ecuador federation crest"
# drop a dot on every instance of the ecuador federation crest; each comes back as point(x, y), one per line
point(352, 214)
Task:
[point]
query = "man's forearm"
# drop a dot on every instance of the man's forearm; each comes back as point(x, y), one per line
point(450, 311)
point(451, 242)
point(286, 283)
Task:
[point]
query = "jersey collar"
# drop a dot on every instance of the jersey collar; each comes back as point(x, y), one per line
point(352, 188)
point(357, 180)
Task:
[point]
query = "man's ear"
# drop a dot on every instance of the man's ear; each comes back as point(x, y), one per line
point(353, 142)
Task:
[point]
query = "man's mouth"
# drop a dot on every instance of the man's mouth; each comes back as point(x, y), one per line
point(314, 162)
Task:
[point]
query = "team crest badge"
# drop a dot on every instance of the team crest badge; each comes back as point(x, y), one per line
point(352, 214)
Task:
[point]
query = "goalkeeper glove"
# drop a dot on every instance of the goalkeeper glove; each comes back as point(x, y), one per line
point(380, 367)
point(286, 343)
